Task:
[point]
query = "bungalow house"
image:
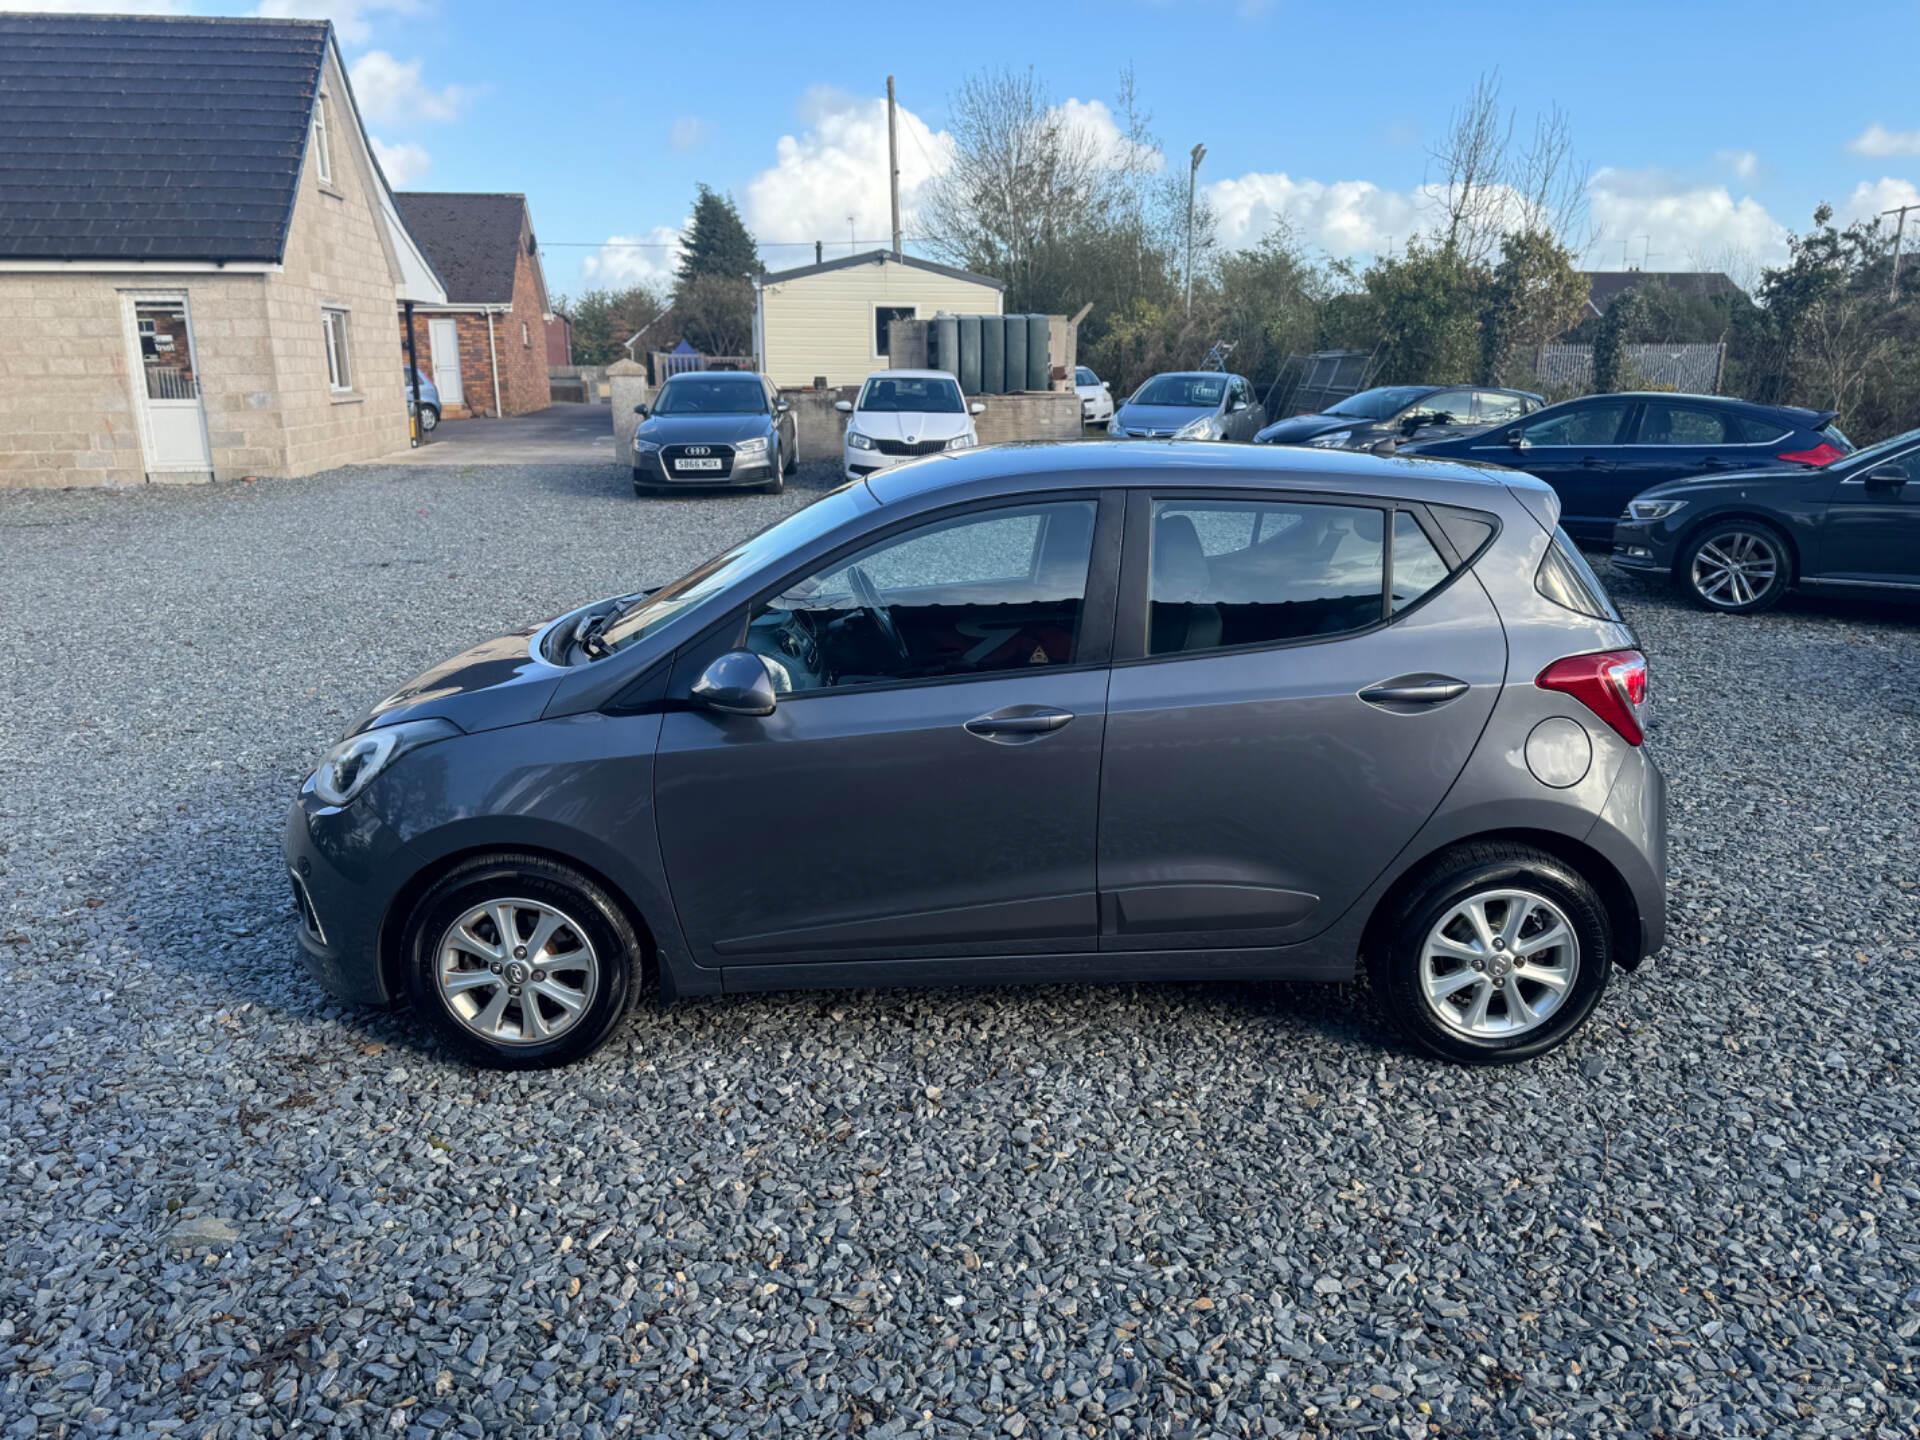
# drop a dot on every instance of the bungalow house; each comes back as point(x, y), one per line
point(197, 275)
point(830, 319)
point(486, 345)
point(1606, 286)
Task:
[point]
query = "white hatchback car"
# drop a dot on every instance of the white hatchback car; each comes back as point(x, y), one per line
point(1096, 400)
point(901, 415)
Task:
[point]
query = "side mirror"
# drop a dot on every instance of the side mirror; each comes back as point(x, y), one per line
point(1385, 447)
point(1887, 477)
point(976, 408)
point(737, 683)
point(1517, 438)
point(639, 409)
point(845, 407)
point(780, 407)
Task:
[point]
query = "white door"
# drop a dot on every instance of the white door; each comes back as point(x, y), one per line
point(443, 342)
point(166, 384)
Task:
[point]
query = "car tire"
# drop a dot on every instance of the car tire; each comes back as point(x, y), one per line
point(792, 462)
point(1419, 970)
point(640, 486)
point(429, 417)
point(779, 480)
point(451, 952)
point(1737, 567)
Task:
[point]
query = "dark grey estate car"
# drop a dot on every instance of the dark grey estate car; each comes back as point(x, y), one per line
point(1093, 711)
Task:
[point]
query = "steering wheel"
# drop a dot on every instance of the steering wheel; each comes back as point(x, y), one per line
point(868, 594)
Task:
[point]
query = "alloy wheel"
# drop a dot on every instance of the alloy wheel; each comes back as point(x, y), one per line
point(1499, 963)
point(1735, 568)
point(516, 972)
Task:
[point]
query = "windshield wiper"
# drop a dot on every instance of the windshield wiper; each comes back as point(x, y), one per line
point(588, 629)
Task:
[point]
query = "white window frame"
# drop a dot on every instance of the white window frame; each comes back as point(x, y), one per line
point(873, 323)
point(322, 144)
point(526, 336)
point(338, 347)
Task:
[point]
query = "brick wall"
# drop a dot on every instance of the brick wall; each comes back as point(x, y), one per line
point(524, 383)
point(476, 361)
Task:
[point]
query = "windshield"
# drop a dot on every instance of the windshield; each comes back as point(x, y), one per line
point(925, 394)
point(1377, 404)
point(710, 395)
point(1191, 391)
point(1879, 451)
point(709, 579)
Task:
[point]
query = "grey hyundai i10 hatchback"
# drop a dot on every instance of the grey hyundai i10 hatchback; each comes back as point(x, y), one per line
point(1076, 712)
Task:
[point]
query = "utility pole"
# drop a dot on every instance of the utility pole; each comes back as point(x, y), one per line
point(1899, 231)
point(893, 167)
point(1199, 154)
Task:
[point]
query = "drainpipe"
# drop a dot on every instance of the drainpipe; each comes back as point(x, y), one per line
point(413, 370)
point(494, 356)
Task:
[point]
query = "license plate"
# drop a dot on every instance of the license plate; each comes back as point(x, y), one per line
point(696, 464)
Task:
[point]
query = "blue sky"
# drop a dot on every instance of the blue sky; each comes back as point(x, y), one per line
point(1708, 126)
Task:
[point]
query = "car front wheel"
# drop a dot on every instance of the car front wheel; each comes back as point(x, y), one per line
point(1493, 954)
point(519, 962)
point(1740, 567)
point(429, 417)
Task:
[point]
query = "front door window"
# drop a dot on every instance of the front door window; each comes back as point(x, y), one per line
point(165, 354)
point(994, 591)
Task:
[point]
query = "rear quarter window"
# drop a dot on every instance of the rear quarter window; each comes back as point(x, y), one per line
point(1566, 579)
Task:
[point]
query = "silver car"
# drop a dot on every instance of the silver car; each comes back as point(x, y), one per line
point(1083, 712)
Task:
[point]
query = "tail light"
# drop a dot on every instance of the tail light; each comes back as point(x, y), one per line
point(1612, 684)
point(1821, 454)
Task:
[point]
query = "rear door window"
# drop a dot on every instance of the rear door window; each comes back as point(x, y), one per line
point(1223, 573)
point(1417, 566)
point(1490, 407)
point(1664, 423)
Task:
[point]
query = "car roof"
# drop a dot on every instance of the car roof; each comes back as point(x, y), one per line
point(1197, 374)
point(1024, 466)
point(911, 375)
point(713, 375)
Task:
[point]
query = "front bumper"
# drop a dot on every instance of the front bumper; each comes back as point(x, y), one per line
point(649, 469)
point(858, 464)
point(1643, 547)
point(344, 868)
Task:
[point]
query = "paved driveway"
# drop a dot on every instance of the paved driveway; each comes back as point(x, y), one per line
point(558, 435)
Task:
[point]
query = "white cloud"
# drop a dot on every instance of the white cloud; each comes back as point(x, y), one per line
point(353, 19)
point(635, 259)
point(1093, 122)
point(1343, 217)
point(1682, 222)
point(689, 133)
point(404, 163)
point(837, 168)
point(1744, 164)
point(99, 7)
point(1872, 197)
point(392, 92)
point(1876, 139)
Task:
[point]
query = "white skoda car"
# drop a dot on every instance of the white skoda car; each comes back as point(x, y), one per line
point(901, 415)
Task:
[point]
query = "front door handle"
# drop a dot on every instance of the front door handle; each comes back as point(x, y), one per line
point(1018, 723)
point(1408, 692)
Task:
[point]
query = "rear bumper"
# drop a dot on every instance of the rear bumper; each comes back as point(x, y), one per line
point(1631, 834)
point(347, 867)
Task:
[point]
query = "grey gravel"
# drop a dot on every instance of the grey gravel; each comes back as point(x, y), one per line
point(1105, 1211)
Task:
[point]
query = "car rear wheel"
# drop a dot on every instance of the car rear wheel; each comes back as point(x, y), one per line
point(1740, 567)
point(1493, 954)
point(519, 962)
point(429, 416)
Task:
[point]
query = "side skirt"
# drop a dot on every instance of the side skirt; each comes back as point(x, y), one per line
point(1112, 967)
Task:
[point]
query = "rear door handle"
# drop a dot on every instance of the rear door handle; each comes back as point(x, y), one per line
point(1594, 462)
point(1018, 723)
point(1409, 692)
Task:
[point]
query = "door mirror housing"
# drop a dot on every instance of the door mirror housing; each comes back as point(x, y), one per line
point(976, 408)
point(1387, 446)
point(1517, 438)
point(845, 407)
point(737, 683)
point(780, 407)
point(640, 410)
point(1887, 477)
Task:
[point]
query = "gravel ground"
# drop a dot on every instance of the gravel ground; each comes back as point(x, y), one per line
point(230, 1207)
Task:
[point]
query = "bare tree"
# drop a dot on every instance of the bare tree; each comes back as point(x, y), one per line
point(1551, 185)
point(1020, 182)
point(1473, 194)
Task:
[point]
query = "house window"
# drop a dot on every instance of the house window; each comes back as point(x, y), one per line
point(885, 315)
point(526, 336)
point(339, 366)
point(322, 150)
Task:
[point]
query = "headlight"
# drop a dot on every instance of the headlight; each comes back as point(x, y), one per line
point(350, 766)
point(1201, 429)
point(750, 449)
point(962, 442)
point(646, 447)
point(858, 441)
point(1333, 441)
point(1653, 509)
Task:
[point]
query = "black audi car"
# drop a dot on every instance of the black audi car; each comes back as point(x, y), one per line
point(1739, 542)
point(1397, 413)
point(714, 427)
point(1600, 451)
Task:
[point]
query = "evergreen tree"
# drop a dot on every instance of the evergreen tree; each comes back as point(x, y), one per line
point(717, 242)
